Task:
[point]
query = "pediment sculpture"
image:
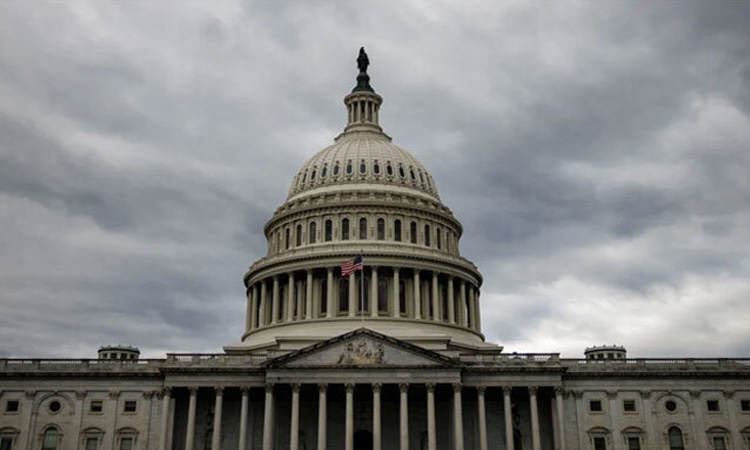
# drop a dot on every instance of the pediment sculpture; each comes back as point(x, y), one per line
point(363, 352)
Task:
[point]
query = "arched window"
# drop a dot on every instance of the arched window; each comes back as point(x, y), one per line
point(413, 232)
point(376, 168)
point(329, 230)
point(402, 297)
point(382, 295)
point(50, 439)
point(312, 231)
point(324, 171)
point(363, 228)
point(344, 229)
point(389, 169)
point(397, 230)
point(362, 167)
point(344, 295)
point(438, 240)
point(336, 169)
point(675, 439)
point(401, 172)
point(288, 236)
point(427, 235)
point(349, 167)
point(324, 297)
point(299, 235)
point(314, 172)
point(381, 229)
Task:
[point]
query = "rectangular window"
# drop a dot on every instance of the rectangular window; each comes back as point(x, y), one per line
point(6, 443)
point(129, 406)
point(92, 443)
point(720, 443)
point(712, 405)
point(634, 443)
point(628, 405)
point(126, 443)
point(600, 443)
point(96, 406)
point(745, 405)
point(12, 406)
point(595, 406)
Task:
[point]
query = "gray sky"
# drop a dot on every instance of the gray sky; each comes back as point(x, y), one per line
point(595, 152)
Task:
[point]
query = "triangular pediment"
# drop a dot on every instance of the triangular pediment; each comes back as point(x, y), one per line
point(362, 347)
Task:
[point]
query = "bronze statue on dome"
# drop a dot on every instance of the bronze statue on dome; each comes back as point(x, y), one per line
point(362, 60)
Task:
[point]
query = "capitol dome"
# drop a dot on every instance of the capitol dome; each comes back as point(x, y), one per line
point(363, 196)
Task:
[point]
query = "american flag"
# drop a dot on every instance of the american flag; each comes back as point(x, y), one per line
point(351, 266)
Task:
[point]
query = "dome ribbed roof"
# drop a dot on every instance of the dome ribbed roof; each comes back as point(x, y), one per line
point(363, 158)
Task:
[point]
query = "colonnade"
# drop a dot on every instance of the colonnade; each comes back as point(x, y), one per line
point(317, 293)
point(270, 416)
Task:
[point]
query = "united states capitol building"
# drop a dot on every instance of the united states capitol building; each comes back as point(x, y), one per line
point(389, 358)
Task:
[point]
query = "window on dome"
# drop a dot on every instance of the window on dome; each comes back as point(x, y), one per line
point(401, 172)
point(389, 169)
point(376, 168)
point(311, 232)
point(438, 240)
point(329, 230)
point(429, 185)
point(421, 177)
point(381, 229)
point(427, 235)
point(413, 232)
point(675, 439)
point(362, 167)
point(349, 167)
point(336, 169)
point(304, 178)
point(324, 171)
point(411, 172)
point(344, 295)
point(288, 240)
point(344, 229)
point(397, 230)
point(312, 175)
point(363, 228)
point(299, 235)
point(382, 295)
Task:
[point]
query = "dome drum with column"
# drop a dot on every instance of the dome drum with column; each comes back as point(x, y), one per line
point(363, 195)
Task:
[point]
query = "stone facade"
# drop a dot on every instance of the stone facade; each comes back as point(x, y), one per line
point(397, 362)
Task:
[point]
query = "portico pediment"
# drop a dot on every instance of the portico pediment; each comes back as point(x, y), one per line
point(362, 347)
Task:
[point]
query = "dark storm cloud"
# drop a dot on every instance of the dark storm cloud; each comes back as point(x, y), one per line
point(594, 152)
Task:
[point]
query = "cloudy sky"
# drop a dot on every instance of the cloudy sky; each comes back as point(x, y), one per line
point(596, 154)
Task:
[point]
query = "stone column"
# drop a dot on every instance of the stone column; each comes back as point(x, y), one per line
point(559, 398)
point(451, 302)
point(733, 413)
point(249, 309)
point(190, 434)
point(268, 419)
point(535, 439)
point(374, 292)
point(508, 412)
point(614, 414)
point(329, 293)
point(376, 429)
point(166, 404)
point(309, 295)
point(458, 418)
point(218, 406)
point(290, 298)
point(431, 428)
point(435, 298)
point(294, 428)
point(353, 297)
point(462, 312)
point(254, 309)
point(242, 442)
point(322, 417)
point(349, 424)
point(417, 296)
point(482, 418)
point(404, 416)
point(396, 301)
point(263, 303)
point(275, 300)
